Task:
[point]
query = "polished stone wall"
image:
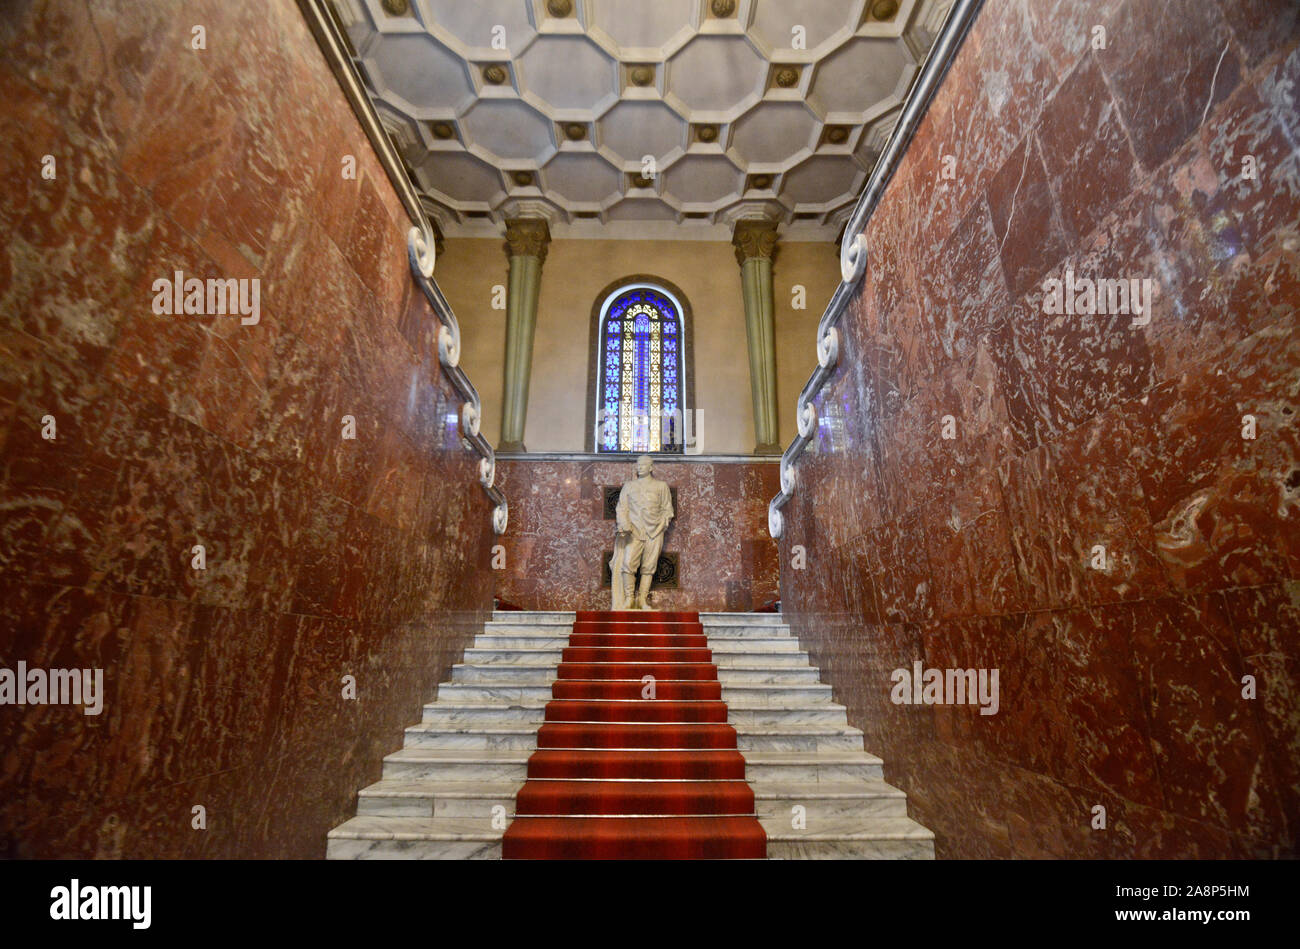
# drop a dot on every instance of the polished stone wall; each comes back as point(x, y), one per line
point(325, 557)
point(558, 533)
point(974, 451)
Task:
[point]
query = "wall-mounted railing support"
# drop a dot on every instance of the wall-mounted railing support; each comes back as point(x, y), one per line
point(853, 250)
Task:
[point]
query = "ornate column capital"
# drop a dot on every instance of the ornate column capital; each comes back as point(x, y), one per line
point(527, 237)
point(754, 239)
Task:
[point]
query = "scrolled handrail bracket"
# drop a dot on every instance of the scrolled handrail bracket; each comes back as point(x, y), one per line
point(853, 259)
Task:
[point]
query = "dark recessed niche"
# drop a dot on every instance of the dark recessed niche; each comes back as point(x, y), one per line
point(611, 500)
point(665, 571)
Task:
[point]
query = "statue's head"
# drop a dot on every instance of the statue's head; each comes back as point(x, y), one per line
point(644, 465)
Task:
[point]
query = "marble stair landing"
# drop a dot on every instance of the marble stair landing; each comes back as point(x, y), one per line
point(449, 792)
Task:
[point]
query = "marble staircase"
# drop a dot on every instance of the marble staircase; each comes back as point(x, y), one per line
point(450, 791)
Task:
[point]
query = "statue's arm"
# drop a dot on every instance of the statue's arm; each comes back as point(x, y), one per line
point(667, 507)
point(620, 512)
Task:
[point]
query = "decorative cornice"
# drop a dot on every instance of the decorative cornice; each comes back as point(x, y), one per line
point(527, 237)
point(754, 240)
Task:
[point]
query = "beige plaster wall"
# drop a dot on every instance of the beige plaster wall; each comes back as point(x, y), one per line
point(574, 274)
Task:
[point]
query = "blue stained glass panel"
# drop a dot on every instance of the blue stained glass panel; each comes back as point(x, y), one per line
point(642, 368)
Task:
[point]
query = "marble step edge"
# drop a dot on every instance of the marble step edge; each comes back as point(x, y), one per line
point(792, 791)
point(875, 827)
point(532, 638)
point(509, 674)
point(571, 615)
point(821, 688)
point(736, 660)
point(727, 631)
point(846, 790)
point(521, 756)
point(540, 705)
point(556, 653)
point(812, 729)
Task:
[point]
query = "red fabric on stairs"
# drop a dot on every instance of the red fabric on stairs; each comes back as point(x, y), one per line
point(634, 797)
point(691, 689)
point(635, 735)
point(620, 776)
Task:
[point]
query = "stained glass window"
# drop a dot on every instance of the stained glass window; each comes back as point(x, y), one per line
point(640, 377)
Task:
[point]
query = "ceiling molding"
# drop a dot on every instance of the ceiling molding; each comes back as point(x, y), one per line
point(626, 119)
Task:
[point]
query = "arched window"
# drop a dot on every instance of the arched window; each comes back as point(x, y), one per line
point(641, 394)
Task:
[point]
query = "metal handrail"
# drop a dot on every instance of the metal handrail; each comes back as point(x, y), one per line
point(419, 243)
point(853, 250)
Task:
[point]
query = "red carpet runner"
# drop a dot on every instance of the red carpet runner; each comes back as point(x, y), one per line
point(620, 776)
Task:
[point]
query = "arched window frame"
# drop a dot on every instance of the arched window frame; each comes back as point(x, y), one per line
point(686, 341)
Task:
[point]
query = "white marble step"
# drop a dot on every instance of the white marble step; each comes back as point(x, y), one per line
point(533, 618)
point(504, 674)
point(740, 634)
point(464, 764)
point(742, 715)
point(460, 838)
point(741, 619)
point(527, 646)
point(515, 737)
point(767, 675)
point(720, 619)
point(516, 641)
point(483, 713)
point(562, 631)
point(749, 693)
point(523, 736)
point(794, 736)
point(872, 838)
point(819, 766)
point(821, 802)
point(414, 838)
point(553, 656)
point(828, 800)
point(411, 764)
point(805, 693)
point(471, 799)
point(745, 714)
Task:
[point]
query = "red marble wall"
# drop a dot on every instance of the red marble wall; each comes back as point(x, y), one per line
point(325, 557)
point(1119, 687)
point(558, 534)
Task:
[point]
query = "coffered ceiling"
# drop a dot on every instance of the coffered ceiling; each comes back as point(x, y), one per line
point(620, 118)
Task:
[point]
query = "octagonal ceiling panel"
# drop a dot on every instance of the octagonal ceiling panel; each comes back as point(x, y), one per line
point(420, 71)
point(580, 178)
point(472, 28)
point(640, 209)
point(581, 102)
point(821, 180)
point(703, 179)
point(460, 177)
point(716, 74)
point(823, 25)
point(861, 73)
point(632, 130)
point(568, 72)
point(649, 29)
point(775, 132)
point(509, 129)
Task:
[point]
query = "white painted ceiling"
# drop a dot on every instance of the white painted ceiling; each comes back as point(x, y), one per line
point(505, 108)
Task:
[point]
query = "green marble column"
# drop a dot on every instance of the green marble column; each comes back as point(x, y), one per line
point(755, 247)
point(526, 240)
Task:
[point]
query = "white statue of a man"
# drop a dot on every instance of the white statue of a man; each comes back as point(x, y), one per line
point(645, 506)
